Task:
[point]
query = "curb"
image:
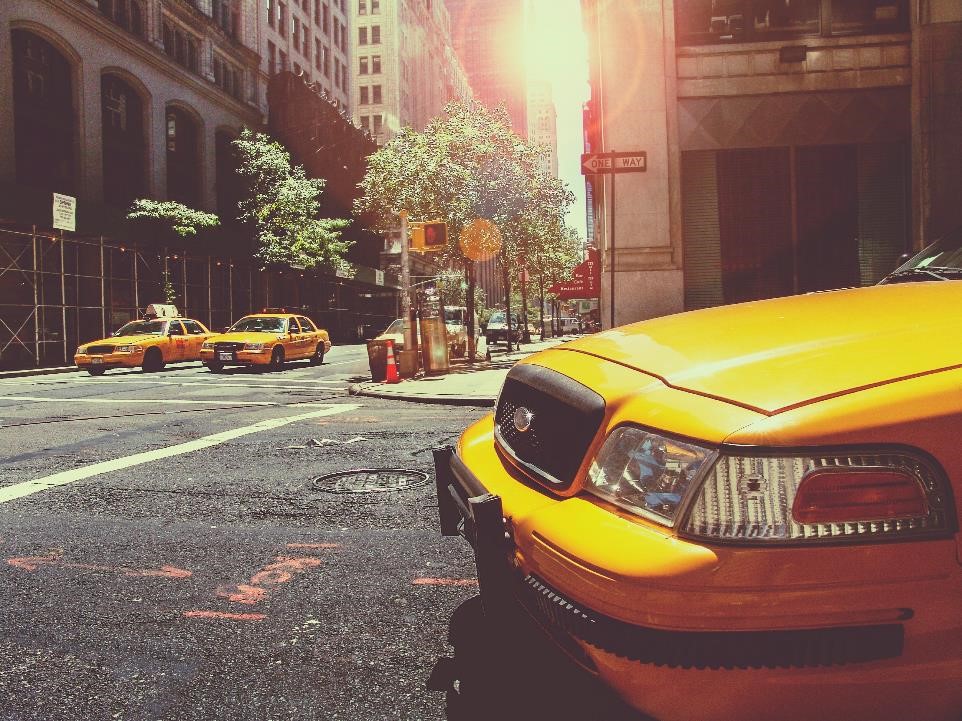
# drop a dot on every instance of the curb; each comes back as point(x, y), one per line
point(357, 389)
point(38, 372)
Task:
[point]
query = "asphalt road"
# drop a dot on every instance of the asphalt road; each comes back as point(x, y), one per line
point(165, 553)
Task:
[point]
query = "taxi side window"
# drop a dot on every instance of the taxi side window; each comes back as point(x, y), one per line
point(193, 328)
point(175, 328)
point(292, 326)
point(306, 324)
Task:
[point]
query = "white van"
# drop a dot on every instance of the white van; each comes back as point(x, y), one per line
point(569, 325)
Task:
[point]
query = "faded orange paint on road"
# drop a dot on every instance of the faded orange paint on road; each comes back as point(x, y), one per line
point(281, 571)
point(32, 563)
point(226, 616)
point(445, 582)
point(313, 546)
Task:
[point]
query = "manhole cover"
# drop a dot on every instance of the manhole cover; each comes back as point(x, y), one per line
point(370, 480)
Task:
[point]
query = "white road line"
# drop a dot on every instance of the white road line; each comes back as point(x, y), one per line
point(201, 384)
point(27, 488)
point(141, 401)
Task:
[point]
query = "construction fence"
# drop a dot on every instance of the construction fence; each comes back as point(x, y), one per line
point(58, 291)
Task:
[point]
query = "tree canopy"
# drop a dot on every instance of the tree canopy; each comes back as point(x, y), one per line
point(172, 216)
point(282, 204)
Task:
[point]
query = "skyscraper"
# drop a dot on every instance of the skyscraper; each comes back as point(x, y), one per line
point(543, 123)
point(488, 36)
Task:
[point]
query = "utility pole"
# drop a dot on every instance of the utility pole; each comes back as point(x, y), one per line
point(406, 283)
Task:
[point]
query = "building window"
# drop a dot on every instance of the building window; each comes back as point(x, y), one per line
point(375, 7)
point(305, 41)
point(228, 77)
point(365, 95)
point(181, 46)
point(228, 182)
point(43, 114)
point(362, 36)
point(226, 14)
point(296, 33)
point(375, 34)
point(326, 18)
point(128, 14)
point(283, 61)
point(304, 6)
point(720, 21)
point(183, 161)
point(375, 64)
point(378, 122)
point(363, 68)
point(318, 52)
point(376, 94)
point(327, 62)
point(366, 122)
point(271, 58)
point(281, 18)
point(317, 12)
point(124, 144)
point(337, 73)
point(344, 37)
point(362, 7)
point(271, 12)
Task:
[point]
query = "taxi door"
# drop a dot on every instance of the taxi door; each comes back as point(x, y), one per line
point(196, 335)
point(294, 346)
point(311, 335)
point(176, 349)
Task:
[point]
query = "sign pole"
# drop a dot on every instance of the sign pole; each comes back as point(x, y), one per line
point(612, 248)
point(405, 282)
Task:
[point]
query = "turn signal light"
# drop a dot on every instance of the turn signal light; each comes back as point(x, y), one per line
point(849, 495)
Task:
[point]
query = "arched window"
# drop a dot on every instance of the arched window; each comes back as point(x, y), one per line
point(124, 143)
point(228, 181)
point(43, 114)
point(183, 162)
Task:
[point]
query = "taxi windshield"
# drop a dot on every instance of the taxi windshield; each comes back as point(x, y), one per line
point(255, 324)
point(143, 327)
point(395, 327)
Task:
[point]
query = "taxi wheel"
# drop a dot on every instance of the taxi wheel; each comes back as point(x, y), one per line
point(277, 359)
point(214, 366)
point(318, 357)
point(96, 371)
point(153, 361)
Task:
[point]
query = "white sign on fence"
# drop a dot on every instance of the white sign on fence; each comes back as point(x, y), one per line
point(64, 212)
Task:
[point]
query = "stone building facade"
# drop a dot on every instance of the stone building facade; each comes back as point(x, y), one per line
point(792, 146)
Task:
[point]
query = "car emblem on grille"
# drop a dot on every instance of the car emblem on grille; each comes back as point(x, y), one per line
point(523, 419)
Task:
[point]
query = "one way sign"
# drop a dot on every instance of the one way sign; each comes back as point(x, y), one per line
point(598, 163)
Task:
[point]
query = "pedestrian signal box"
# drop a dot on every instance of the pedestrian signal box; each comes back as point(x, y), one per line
point(426, 237)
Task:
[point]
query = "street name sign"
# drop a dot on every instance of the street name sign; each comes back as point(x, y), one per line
point(602, 163)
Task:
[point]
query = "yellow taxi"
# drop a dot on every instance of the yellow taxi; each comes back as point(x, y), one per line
point(268, 340)
point(149, 344)
point(747, 512)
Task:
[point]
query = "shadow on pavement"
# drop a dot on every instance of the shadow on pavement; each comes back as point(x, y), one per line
point(516, 675)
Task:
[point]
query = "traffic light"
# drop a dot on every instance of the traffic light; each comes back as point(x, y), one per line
point(435, 236)
point(427, 237)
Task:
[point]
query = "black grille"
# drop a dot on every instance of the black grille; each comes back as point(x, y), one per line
point(711, 649)
point(228, 347)
point(100, 349)
point(565, 416)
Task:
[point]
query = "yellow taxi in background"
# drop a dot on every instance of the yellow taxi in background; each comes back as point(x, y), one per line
point(744, 513)
point(267, 339)
point(149, 344)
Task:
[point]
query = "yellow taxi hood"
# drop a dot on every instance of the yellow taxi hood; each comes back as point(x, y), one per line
point(783, 353)
point(247, 336)
point(126, 339)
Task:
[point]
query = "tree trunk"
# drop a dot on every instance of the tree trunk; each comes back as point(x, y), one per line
point(469, 305)
point(525, 336)
point(507, 302)
point(541, 305)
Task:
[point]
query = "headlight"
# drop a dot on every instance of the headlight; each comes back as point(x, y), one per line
point(207, 345)
point(253, 346)
point(82, 350)
point(852, 496)
point(646, 473)
point(129, 349)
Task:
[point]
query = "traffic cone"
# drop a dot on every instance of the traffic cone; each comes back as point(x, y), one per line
point(392, 375)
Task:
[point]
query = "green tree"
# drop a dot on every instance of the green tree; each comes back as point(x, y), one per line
point(282, 205)
point(465, 165)
point(168, 217)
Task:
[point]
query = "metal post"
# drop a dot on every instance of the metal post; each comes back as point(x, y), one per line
point(210, 293)
point(103, 292)
point(409, 332)
point(612, 249)
point(230, 291)
point(63, 302)
point(36, 302)
point(136, 280)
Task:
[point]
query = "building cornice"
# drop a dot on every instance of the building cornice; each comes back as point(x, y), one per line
point(90, 18)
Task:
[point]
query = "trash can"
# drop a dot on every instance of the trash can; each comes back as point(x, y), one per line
point(377, 359)
point(434, 346)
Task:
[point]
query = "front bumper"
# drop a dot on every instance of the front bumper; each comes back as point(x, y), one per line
point(109, 360)
point(241, 357)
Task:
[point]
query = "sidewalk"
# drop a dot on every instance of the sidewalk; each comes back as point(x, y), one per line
point(465, 385)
